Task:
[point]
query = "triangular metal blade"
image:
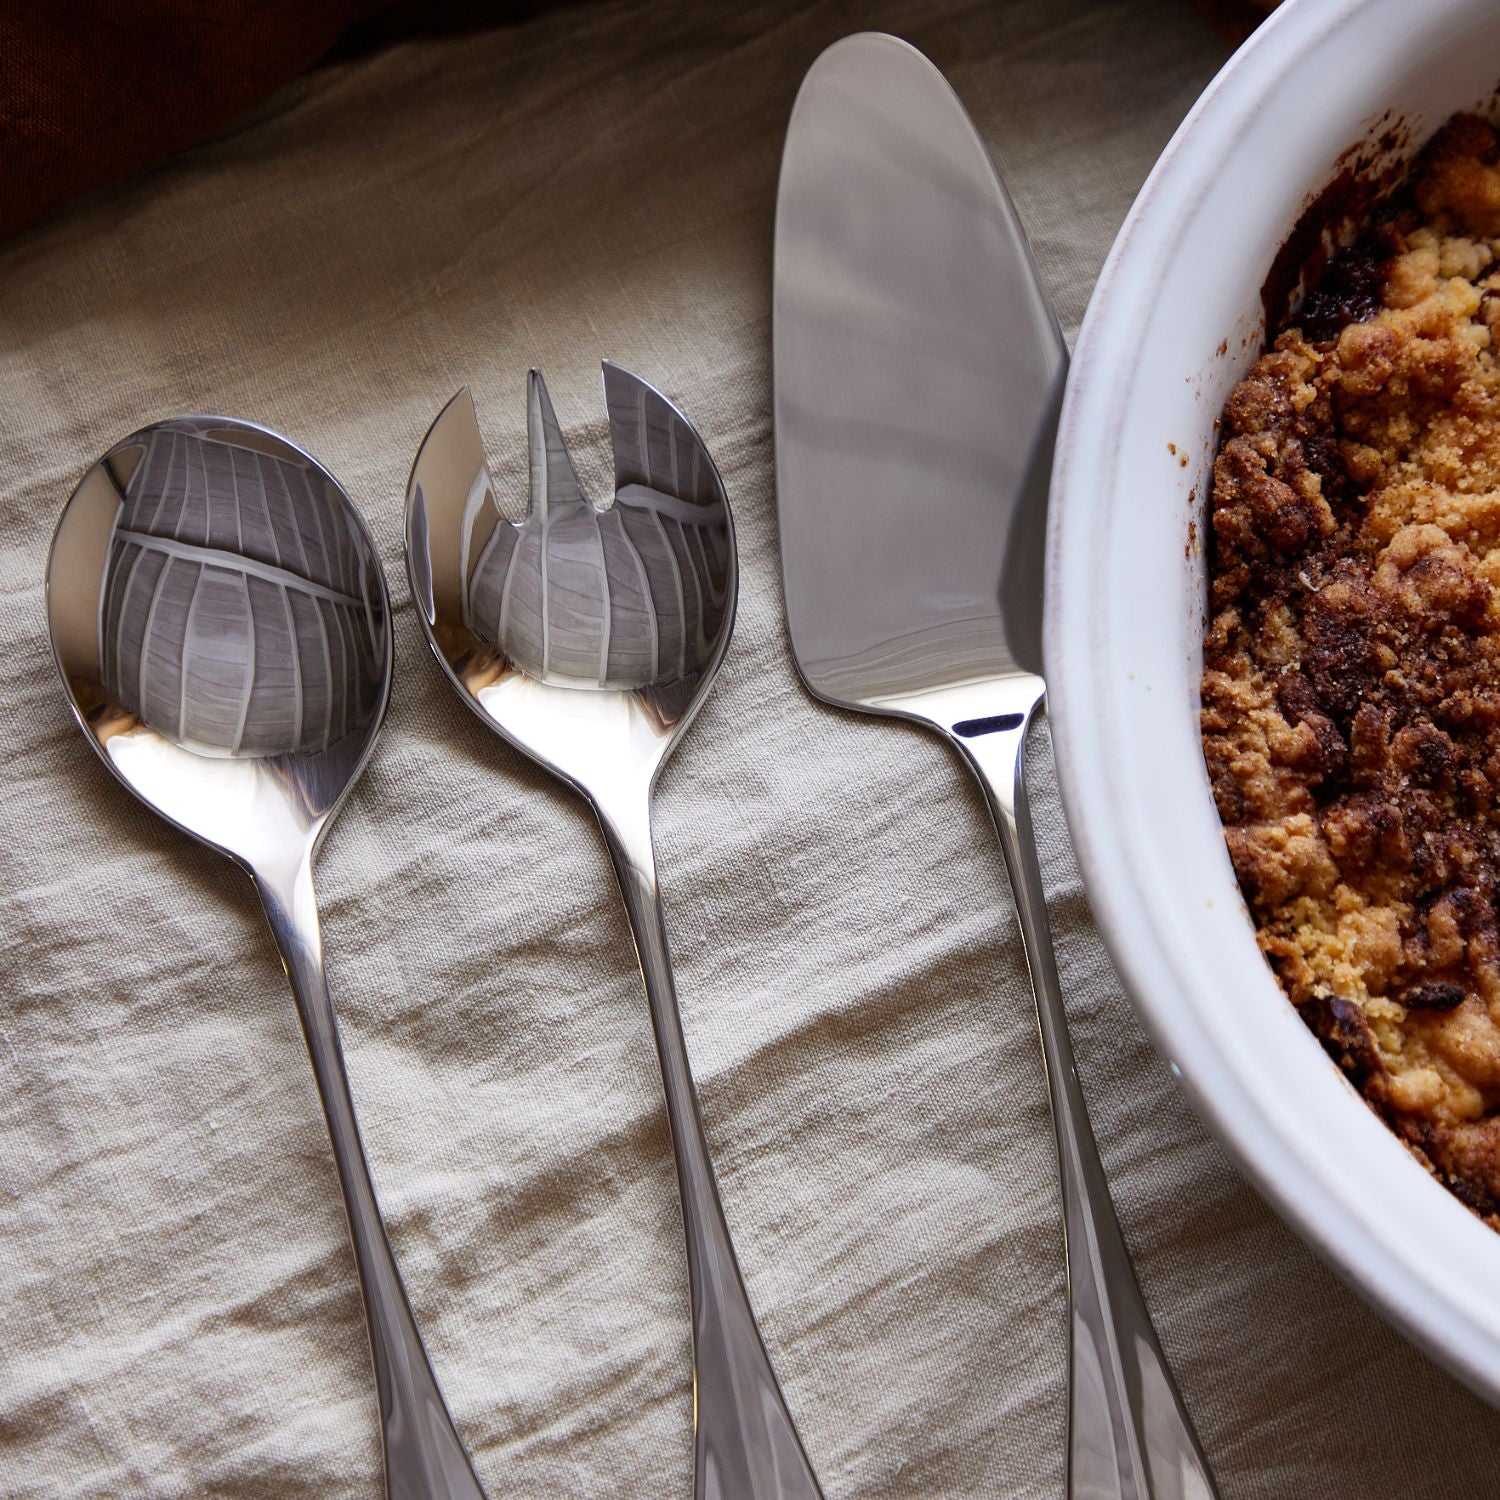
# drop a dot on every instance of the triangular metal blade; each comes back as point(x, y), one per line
point(918, 373)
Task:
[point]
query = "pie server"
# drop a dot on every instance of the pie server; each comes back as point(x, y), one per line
point(918, 374)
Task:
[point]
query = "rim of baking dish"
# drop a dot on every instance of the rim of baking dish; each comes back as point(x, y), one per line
point(1413, 1251)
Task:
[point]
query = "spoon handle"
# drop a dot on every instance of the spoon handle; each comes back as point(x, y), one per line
point(746, 1446)
point(1129, 1435)
point(424, 1459)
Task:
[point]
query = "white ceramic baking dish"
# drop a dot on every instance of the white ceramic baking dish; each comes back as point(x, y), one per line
point(1174, 322)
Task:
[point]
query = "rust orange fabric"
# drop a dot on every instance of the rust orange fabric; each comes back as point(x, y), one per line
point(91, 91)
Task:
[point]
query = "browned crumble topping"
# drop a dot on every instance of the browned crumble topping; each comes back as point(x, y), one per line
point(1351, 682)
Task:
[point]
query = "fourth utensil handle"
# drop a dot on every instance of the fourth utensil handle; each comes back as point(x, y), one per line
point(1129, 1436)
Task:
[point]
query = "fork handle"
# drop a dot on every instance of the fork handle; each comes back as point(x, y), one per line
point(745, 1444)
point(1129, 1435)
point(424, 1458)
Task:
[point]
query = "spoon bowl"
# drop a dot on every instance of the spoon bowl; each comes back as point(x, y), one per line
point(221, 623)
point(588, 637)
point(220, 620)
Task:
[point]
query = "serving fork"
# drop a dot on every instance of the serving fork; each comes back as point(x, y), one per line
point(588, 637)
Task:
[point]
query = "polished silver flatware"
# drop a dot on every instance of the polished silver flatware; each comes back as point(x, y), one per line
point(588, 637)
point(221, 623)
point(918, 374)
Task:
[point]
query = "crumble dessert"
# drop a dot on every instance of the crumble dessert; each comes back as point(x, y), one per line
point(1351, 683)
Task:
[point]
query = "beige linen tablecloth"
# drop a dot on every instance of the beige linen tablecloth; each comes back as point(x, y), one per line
point(178, 1308)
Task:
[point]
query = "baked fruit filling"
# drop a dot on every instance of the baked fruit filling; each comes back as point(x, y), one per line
point(1351, 683)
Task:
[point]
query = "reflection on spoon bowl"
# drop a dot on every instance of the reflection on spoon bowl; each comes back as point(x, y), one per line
point(220, 621)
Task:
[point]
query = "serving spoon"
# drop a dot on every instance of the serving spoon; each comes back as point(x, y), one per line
point(588, 638)
point(221, 623)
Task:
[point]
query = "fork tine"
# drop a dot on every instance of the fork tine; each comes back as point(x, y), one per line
point(554, 481)
point(654, 444)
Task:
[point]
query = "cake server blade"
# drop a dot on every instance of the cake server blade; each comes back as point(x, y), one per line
point(919, 369)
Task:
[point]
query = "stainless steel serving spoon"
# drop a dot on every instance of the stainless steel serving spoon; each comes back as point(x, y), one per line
point(221, 623)
point(589, 638)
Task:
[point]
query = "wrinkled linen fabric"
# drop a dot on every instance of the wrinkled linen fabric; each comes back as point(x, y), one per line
point(179, 1315)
